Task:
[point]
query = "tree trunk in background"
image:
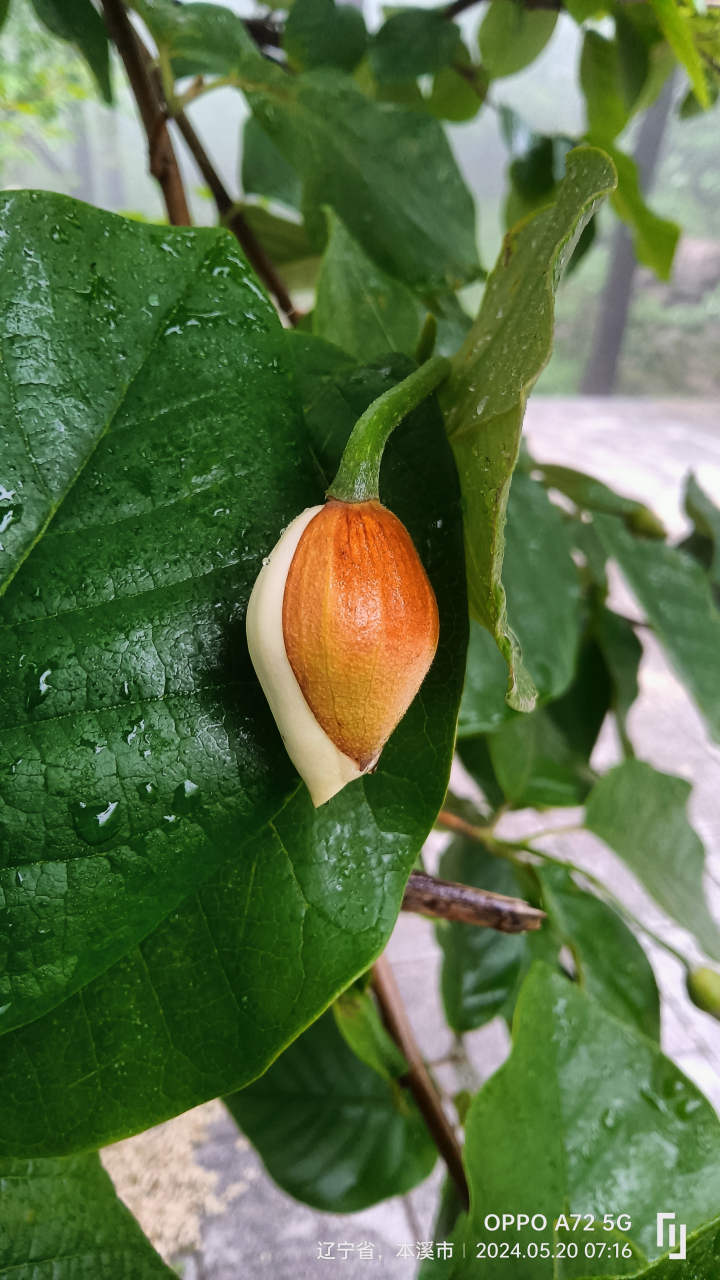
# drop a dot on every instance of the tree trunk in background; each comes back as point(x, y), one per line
point(114, 175)
point(601, 371)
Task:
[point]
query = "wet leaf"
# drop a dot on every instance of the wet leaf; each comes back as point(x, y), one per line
point(586, 1116)
point(484, 400)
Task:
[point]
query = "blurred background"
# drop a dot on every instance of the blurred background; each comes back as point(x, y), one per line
point(56, 134)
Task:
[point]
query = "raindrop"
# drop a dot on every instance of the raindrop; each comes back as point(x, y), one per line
point(94, 826)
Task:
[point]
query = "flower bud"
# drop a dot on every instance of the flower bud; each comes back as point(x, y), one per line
point(703, 986)
point(342, 629)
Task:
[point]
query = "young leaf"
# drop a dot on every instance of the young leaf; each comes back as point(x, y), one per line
point(388, 173)
point(78, 22)
point(678, 33)
point(412, 43)
point(676, 596)
point(512, 36)
point(152, 451)
point(587, 1115)
point(655, 239)
point(642, 815)
point(264, 171)
point(238, 970)
point(62, 1218)
point(607, 113)
point(459, 90)
point(611, 965)
point(321, 33)
point(590, 494)
point(201, 39)
point(361, 1027)
point(357, 306)
point(331, 1131)
point(493, 372)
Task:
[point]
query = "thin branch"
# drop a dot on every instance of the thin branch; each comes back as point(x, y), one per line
point(417, 1079)
point(454, 823)
point(163, 164)
point(430, 897)
point(236, 222)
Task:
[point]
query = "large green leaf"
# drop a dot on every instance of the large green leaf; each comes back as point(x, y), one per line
point(388, 173)
point(78, 22)
point(152, 450)
point(535, 764)
point(329, 1129)
point(642, 815)
point(511, 36)
point(357, 306)
point(677, 599)
point(654, 238)
point(611, 965)
point(493, 373)
point(201, 39)
point(587, 1116)
point(679, 35)
point(61, 1219)
point(322, 33)
point(484, 706)
point(701, 1262)
point(239, 969)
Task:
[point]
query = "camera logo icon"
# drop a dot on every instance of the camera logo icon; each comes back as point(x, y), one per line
point(670, 1217)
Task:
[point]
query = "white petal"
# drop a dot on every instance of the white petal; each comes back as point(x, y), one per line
point(324, 769)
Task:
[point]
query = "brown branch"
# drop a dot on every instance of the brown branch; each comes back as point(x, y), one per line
point(235, 221)
point(454, 823)
point(430, 897)
point(163, 164)
point(417, 1079)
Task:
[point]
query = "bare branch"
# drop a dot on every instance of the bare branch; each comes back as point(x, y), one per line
point(235, 221)
point(163, 164)
point(454, 823)
point(417, 1079)
point(448, 901)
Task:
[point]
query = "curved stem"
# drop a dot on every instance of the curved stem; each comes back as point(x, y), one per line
point(358, 475)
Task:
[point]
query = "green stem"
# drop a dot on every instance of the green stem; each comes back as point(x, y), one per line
point(358, 476)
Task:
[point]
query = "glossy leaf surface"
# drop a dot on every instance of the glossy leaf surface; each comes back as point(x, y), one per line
point(586, 1116)
point(62, 1218)
point(330, 1130)
point(642, 815)
point(676, 597)
point(238, 970)
point(484, 400)
point(145, 378)
point(357, 306)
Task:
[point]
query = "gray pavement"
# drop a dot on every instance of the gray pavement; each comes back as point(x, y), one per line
point(253, 1230)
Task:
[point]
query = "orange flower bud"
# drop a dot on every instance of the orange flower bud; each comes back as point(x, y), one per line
point(360, 624)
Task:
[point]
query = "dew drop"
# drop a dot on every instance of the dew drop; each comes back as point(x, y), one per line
point(94, 825)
